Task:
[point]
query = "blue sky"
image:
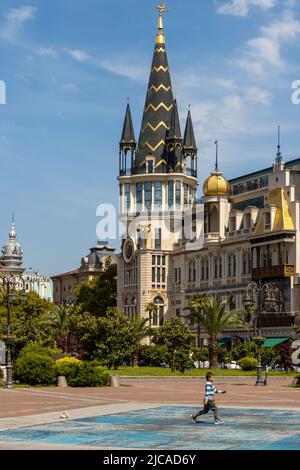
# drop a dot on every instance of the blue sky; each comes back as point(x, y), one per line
point(69, 67)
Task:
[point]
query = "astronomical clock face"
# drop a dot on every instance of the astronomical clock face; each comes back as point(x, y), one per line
point(107, 263)
point(128, 250)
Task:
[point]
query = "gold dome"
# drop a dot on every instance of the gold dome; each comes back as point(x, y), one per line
point(216, 185)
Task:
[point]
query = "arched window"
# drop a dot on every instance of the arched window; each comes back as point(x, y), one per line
point(133, 306)
point(126, 307)
point(160, 304)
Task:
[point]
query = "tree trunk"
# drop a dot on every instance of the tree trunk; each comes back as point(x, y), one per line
point(135, 361)
point(213, 354)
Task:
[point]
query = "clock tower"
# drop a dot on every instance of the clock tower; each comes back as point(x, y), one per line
point(158, 184)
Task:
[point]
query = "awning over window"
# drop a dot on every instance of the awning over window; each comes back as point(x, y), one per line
point(224, 341)
point(271, 342)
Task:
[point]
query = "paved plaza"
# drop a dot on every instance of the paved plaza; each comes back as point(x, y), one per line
point(152, 413)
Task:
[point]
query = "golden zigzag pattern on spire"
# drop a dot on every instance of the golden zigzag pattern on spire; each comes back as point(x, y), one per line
point(154, 129)
point(160, 87)
point(160, 49)
point(162, 142)
point(161, 105)
point(161, 67)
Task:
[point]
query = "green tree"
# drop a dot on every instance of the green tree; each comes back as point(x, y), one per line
point(85, 328)
point(196, 306)
point(140, 330)
point(59, 320)
point(117, 342)
point(214, 319)
point(176, 336)
point(98, 295)
point(28, 321)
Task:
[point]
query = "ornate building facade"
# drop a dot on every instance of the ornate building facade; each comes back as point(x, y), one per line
point(100, 258)
point(250, 225)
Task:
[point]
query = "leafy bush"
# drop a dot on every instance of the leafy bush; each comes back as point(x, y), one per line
point(88, 376)
point(35, 369)
point(182, 360)
point(270, 356)
point(153, 355)
point(1, 374)
point(248, 363)
point(224, 355)
point(244, 349)
point(36, 365)
point(67, 366)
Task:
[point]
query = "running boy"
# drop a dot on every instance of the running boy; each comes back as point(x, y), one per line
point(209, 401)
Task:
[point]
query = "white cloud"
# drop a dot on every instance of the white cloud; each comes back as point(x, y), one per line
point(80, 56)
point(118, 66)
point(264, 52)
point(14, 20)
point(47, 52)
point(21, 14)
point(136, 72)
point(242, 7)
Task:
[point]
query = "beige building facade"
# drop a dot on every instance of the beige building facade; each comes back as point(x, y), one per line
point(100, 258)
point(243, 230)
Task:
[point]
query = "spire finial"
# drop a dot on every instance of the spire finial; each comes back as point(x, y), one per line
point(217, 156)
point(279, 154)
point(161, 8)
point(12, 232)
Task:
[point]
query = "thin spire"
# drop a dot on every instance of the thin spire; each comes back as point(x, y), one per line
point(161, 8)
point(12, 232)
point(128, 136)
point(217, 156)
point(189, 141)
point(158, 105)
point(174, 132)
point(279, 154)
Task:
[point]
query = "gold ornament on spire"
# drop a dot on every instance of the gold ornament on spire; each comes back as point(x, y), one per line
point(161, 8)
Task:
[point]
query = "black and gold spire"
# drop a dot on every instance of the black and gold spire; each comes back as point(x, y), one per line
point(158, 107)
point(127, 144)
point(127, 138)
point(189, 141)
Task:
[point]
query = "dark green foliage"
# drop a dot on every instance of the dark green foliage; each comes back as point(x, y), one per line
point(224, 355)
point(88, 375)
point(175, 336)
point(244, 349)
point(182, 361)
point(153, 355)
point(1, 374)
point(117, 344)
point(98, 295)
point(28, 322)
point(36, 365)
point(200, 354)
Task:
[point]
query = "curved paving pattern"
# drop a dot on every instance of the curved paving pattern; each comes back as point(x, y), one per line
point(169, 428)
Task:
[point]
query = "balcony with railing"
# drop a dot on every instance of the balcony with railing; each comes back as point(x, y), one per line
point(270, 320)
point(269, 272)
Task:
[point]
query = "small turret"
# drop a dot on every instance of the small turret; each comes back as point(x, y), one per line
point(127, 142)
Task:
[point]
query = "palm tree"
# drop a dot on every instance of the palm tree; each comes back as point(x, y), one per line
point(214, 319)
point(59, 319)
point(140, 330)
point(196, 306)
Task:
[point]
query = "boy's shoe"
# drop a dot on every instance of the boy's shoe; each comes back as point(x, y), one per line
point(194, 418)
point(219, 421)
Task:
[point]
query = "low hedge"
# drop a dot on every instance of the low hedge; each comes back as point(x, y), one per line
point(248, 363)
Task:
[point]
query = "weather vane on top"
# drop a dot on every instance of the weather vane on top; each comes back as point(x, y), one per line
point(161, 8)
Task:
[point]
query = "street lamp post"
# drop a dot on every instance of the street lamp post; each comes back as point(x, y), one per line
point(11, 283)
point(265, 295)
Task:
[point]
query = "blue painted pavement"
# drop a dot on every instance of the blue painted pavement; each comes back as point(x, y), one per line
point(170, 427)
